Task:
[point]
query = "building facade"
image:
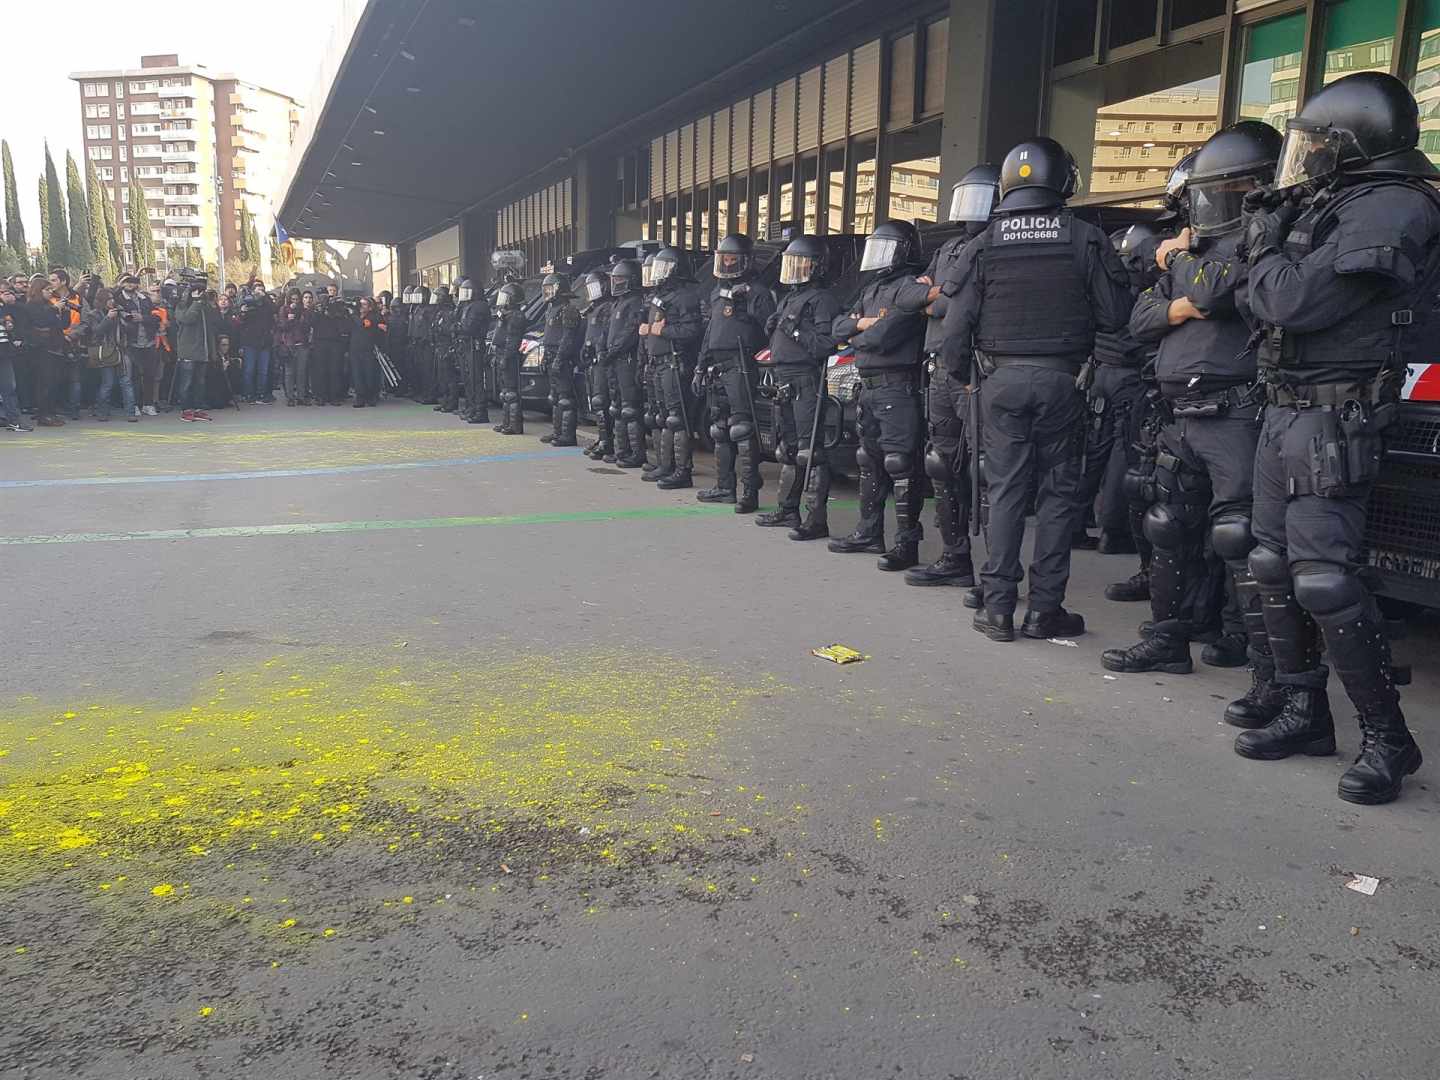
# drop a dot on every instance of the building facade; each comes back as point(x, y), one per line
point(858, 111)
point(201, 145)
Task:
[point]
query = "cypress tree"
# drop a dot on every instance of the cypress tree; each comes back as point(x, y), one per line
point(98, 196)
point(57, 251)
point(140, 232)
point(14, 227)
point(83, 252)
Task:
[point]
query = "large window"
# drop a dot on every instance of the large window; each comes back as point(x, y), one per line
point(860, 218)
point(1128, 123)
point(1426, 82)
point(914, 174)
point(1359, 36)
point(1270, 77)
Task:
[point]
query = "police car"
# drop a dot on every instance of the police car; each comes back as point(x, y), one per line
point(1403, 531)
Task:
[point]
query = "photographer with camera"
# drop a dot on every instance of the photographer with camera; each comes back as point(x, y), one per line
point(256, 314)
point(103, 326)
point(197, 343)
point(69, 306)
point(294, 333)
point(327, 337)
point(367, 335)
point(12, 343)
point(140, 327)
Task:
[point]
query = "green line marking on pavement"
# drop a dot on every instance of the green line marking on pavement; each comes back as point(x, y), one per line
point(316, 527)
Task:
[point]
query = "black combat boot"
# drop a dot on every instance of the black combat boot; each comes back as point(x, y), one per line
point(1060, 623)
point(747, 468)
point(1133, 589)
point(1303, 726)
point(995, 627)
point(816, 525)
point(680, 454)
point(869, 535)
point(905, 552)
point(1227, 650)
point(974, 598)
point(954, 566)
point(786, 514)
point(716, 494)
point(1116, 543)
point(1263, 701)
point(1166, 649)
point(1360, 654)
point(665, 458)
point(749, 500)
point(724, 489)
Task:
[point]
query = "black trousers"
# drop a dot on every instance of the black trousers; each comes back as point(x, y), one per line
point(947, 460)
point(325, 364)
point(1109, 452)
point(365, 377)
point(1033, 418)
point(892, 433)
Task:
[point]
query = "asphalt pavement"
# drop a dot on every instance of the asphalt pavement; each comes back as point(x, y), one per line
point(348, 743)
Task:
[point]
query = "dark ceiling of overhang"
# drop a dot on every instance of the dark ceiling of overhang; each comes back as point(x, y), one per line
point(494, 93)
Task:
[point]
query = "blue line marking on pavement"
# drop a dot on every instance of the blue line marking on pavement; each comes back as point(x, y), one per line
point(266, 474)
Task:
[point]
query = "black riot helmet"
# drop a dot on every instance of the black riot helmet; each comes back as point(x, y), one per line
point(1364, 123)
point(1038, 174)
point(555, 285)
point(1177, 184)
point(669, 264)
point(734, 257)
point(597, 286)
point(422, 295)
point(973, 199)
point(893, 245)
point(1236, 160)
point(624, 277)
point(1132, 245)
point(647, 271)
point(465, 291)
point(507, 265)
point(441, 295)
point(509, 297)
point(804, 260)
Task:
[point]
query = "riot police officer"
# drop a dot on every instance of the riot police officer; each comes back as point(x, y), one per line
point(802, 339)
point(421, 314)
point(597, 326)
point(737, 311)
point(1206, 371)
point(472, 323)
point(444, 338)
point(622, 342)
point(510, 327)
point(886, 328)
point(1037, 285)
point(670, 336)
point(564, 339)
point(1345, 288)
point(949, 452)
point(645, 373)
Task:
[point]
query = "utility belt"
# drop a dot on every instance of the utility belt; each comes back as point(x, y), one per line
point(1070, 365)
point(1318, 395)
point(906, 377)
point(1208, 403)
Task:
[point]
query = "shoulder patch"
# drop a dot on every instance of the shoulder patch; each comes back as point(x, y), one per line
point(1033, 229)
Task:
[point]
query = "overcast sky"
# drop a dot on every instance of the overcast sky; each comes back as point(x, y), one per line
point(275, 43)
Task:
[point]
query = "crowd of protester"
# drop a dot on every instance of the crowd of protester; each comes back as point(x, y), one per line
point(68, 347)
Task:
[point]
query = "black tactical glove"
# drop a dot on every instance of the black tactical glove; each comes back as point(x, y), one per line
point(772, 322)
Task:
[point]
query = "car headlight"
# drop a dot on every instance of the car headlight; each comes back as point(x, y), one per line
point(535, 357)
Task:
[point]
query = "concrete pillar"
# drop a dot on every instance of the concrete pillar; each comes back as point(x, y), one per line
point(993, 83)
point(477, 240)
point(594, 200)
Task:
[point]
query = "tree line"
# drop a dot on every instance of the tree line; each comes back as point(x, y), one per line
point(78, 229)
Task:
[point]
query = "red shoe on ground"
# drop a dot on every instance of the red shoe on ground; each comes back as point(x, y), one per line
point(200, 414)
point(188, 416)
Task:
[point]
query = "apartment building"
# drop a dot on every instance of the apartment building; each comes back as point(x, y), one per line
point(202, 145)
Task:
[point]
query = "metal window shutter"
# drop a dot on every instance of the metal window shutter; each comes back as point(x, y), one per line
point(721, 133)
point(657, 168)
point(687, 156)
point(762, 127)
point(902, 82)
point(784, 125)
point(740, 136)
point(837, 95)
point(809, 132)
point(672, 162)
point(703, 157)
point(567, 205)
point(865, 88)
point(937, 49)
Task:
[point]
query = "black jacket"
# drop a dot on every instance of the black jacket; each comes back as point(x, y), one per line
point(893, 342)
point(802, 328)
point(737, 312)
point(679, 306)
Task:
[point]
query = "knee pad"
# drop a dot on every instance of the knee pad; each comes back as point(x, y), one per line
point(1138, 487)
point(862, 458)
point(785, 453)
point(936, 465)
point(1270, 567)
point(614, 411)
point(509, 397)
point(597, 403)
point(566, 403)
point(629, 412)
point(1327, 590)
point(674, 422)
point(899, 464)
point(1164, 528)
point(720, 433)
point(1231, 538)
point(741, 431)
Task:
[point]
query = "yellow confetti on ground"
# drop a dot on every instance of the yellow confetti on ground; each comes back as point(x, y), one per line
point(163, 889)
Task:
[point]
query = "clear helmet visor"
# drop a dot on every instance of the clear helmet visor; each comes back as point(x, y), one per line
point(464, 294)
point(619, 284)
point(502, 300)
point(729, 266)
point(1307, 155)
point(880, 252)
point(661, 270)
point(549, 291)
point(797, 269)
point(435, 297)
point(594, 291)
point(972, 202)
point(1219, 207)
point(647, 275)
